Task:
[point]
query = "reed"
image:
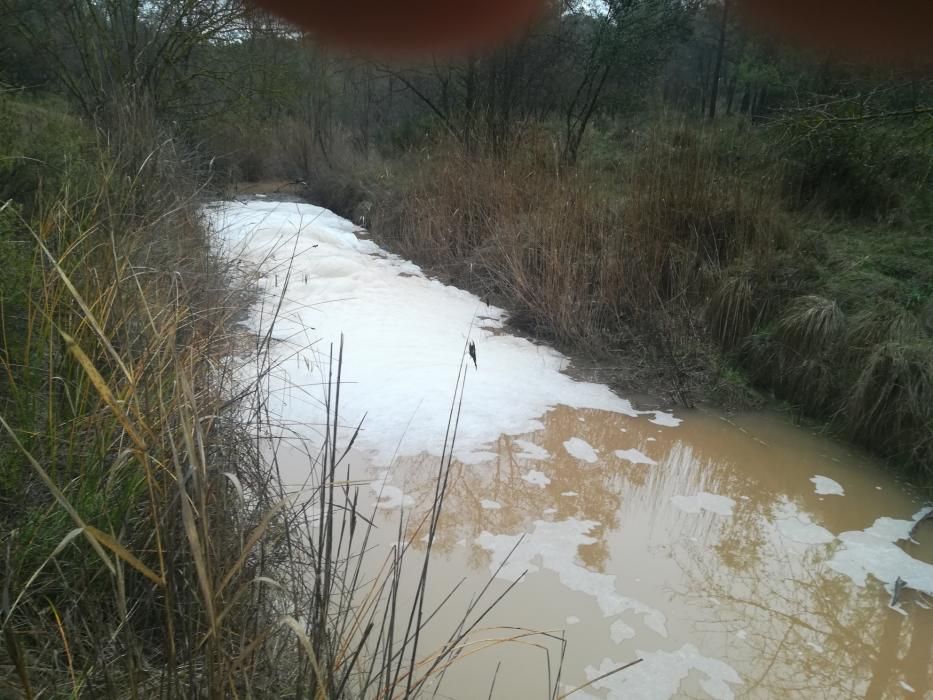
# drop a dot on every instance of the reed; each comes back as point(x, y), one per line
point(149, 546)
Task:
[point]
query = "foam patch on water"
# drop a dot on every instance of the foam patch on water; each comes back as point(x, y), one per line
point(476, 457)
point(554, 546)
point(405, 337)
point(389, 496)
point(660, 674)
point(799, 527)
point(581, 449)
point(490, 505)
point(875, 551)
point(710, 502)
point(824, 486)
point(619, 632)
point(662, 418)
point(635, 457)
point(531, 451)
point(536, 478)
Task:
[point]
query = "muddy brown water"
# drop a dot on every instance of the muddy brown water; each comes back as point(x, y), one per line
point(731, 594)
point(739, 557)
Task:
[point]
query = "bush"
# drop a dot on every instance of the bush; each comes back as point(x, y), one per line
point(594, 260)
point(860, 170)
point(43, 148)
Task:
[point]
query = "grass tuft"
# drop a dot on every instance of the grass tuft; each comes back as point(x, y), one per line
point(811, 325)
point(890, 402)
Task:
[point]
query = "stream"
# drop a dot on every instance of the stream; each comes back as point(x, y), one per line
point(736, 556)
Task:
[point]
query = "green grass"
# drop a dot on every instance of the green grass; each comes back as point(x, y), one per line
point(854, 345)
point(874, 262)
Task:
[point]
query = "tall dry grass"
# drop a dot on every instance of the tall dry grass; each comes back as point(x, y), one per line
point(130, 486)
point(588, 259)
point(689, 239)
point(149, 547)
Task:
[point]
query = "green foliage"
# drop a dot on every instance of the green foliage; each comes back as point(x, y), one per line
point(16, 251)
point(844, 342)
point(42, 147)
point(862, 170)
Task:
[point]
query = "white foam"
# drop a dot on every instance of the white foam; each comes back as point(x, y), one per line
point(824, 486)
point(711, 502)
point(660, 674)
point(531, 451)
point(490, 505)
point(536, 478)
point(553, 546)
point(799, 527)
point(634, 456)
point(581, 450)
point(619, 632)
point(569, 494)
point(665, 419)
point(389, 496)
point(404, 339)
point(875, 551)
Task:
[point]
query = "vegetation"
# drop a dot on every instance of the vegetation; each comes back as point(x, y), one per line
point(708, 204)
point(694, 238)
point(641, 180)
point(149, 546)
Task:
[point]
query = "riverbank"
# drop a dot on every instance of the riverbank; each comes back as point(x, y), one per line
point(133, 490)
point(684, 268)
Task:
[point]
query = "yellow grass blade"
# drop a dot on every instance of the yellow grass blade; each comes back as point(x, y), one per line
point(237, 597)
point(103, 390)
point(125, 555)
point(289, 621)
point(84, 307)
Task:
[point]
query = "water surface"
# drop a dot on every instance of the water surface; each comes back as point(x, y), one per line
point(735, 556)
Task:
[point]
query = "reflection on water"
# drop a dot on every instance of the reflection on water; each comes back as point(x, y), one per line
point(734, 557)
point(705, 549)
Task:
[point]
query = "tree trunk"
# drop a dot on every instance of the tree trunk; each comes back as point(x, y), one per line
point(469, 104)
point(730, 93)
point(720, 50)
point(575, 134)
